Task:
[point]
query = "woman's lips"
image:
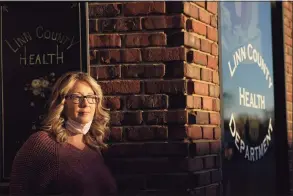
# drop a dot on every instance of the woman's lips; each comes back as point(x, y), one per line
point(83, 113)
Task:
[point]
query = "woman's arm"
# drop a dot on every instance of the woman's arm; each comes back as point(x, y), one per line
point(34, 166)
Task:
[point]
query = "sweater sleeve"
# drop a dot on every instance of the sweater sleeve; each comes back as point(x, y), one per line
point(34, 166)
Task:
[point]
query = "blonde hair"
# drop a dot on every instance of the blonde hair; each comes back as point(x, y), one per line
point(54, 121)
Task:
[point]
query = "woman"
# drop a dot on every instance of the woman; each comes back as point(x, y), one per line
point(64, 157)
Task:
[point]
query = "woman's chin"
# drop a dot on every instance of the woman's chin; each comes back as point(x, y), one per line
point(83, 120)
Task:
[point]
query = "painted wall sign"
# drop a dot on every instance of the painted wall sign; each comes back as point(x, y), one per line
point(248, 98)
point(39, 42)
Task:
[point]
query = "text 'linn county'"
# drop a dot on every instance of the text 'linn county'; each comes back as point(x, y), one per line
point(27, 58)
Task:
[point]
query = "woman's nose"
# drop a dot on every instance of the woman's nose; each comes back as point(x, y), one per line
point(84, 102)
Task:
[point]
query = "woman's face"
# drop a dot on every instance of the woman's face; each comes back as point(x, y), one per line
point(78, 108)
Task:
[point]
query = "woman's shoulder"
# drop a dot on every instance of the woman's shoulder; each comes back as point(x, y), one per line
point(40, 137)
point(40, 141)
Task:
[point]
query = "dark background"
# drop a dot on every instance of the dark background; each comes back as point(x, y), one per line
point(18, 115)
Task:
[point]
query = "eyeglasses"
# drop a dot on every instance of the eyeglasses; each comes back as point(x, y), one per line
point(77, 99)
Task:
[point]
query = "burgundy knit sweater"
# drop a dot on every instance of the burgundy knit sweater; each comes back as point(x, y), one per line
point(44, 167)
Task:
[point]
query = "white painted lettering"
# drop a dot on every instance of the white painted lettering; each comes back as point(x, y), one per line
point(251, 100)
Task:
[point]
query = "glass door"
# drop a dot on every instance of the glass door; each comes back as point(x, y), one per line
point(248, 99)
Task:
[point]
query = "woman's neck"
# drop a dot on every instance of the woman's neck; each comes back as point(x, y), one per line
point(75, 138)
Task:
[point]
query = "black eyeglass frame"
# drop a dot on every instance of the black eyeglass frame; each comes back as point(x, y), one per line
point(81, 98)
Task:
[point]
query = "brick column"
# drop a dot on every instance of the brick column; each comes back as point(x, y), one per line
point(288, 33)
point(157, 63)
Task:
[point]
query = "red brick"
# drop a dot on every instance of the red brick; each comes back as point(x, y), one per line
point(126, 118)
point(212, 34)
point(177, 101)
point(176, 132)
point(287, 27)
point(105, 72)
point(147, 102)
point(212, 63)
point(191, 40)
point(93, 26)
point(216, 176)
point(208, 133)
point(200, 3)
point(287, 14)
point(214, 91)
point(287, 5)
point(93, 57)
point(289, 88)
point(143, 71)
point(116, 134)
point(290, 126)
point(289, 116)
point(217, 133)
point(202, 148)
point(164, 22)
point(175, 69)
point(194, 132)
point(112, 102)
point(195, 164)
point(202, 118)
point(104, 41)
point(212, 7)
point(121, 24)
point(197, 57)
point(288, 50)
point(216, 105)
point(204, 16)
point(165, 86)
point(215, 147)
point(289, 67)
point(288, 40)
point(286, 23)
point(191, 71)
point(154, 117)
point(207, 103)
point(197, 27)
point(205, 46)
point(146, 133)
point(212, 190)
point(191, 10)
point(201, 88)
point(215, 49)
point(145, 39)
point(120, 86)
point(144, 8)
point(163, 54)
point(203, 178)
point(163, 181)
point(215, 118)
point(132, 55)
point(206, 75)
point(289, 106)
point(209, 162)
point(122, 150)
point(216, 78)
point(214, 21)
point(197, 117)
point(288, 79)
point(288, 59)
point(193, 102)
point(289, 97)
point(104, 10)
point(176, 117)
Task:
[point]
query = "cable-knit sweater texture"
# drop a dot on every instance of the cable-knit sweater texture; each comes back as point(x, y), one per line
point(44, 167)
